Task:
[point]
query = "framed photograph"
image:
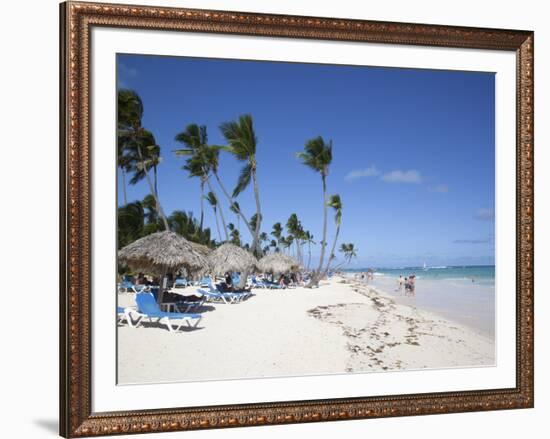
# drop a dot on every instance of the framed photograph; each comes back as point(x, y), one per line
point(272, 219)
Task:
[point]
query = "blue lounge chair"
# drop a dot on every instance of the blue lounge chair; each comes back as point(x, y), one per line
point(121, 315)
point(180, 283)
point(215, 295)
point(148, 309)
point(126, 286)
point(272, 285)
point(257, 283)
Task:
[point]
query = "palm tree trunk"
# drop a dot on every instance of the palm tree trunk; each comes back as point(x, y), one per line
point(161, 289)
point(217, 223)
point(156, 180)
point(255, 244)
point(220, 208)
point(331, 256)
point(317, 275)
point(124, 186)
point(202, 205)
point(308, 254)
point(153, 191)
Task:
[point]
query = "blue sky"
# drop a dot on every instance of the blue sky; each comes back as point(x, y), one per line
point(413, 150)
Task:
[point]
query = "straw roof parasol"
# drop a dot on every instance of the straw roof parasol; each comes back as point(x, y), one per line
point(230, 258)
point(278, 263)
point(200, 248)
point(162, 252)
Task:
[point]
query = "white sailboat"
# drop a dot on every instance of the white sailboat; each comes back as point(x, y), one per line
point(425, 268)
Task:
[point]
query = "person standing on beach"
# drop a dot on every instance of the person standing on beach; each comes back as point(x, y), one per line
point(412, 280)
point(400, 282)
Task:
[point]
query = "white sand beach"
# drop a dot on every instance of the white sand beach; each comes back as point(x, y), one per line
point(342, 326)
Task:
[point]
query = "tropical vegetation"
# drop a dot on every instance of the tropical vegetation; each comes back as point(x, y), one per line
point(139, 159)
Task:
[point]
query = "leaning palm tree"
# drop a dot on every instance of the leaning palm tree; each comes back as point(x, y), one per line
point(211, 156)
point(200, 162)
point(335, 202)
point(317, 155)
point(211, 198)
point(242, 142)
point(235, 208)
point(138, 142)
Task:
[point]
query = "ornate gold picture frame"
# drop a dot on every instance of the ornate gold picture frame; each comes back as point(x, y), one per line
point(76, 415)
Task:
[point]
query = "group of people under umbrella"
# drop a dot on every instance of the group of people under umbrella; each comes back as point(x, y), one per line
point(166, 253)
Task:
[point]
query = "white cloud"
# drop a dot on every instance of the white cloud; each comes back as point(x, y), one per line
point(398, 176)
point(371, 171)
point(485, 214)
point(440, 188)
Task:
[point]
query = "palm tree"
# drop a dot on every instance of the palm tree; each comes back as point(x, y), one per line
point(287, 242)
point(211, 198)
point(294, 228)
point(277, 232)
point(336, 203)
point(235, 234)
point(308, 238)
point(194, 138)
point(235, 208)
point(143, 152)
point(129, 223)
point(242, 143)
point(199, 163)
point(124, 163)
point(151, 213)
point(349, 251)
point(211, 157)
point(317, 155)
point(254, 222)
point(185, 224)
point(263, 238)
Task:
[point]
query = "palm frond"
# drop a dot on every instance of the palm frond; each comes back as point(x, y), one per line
point(244, 180)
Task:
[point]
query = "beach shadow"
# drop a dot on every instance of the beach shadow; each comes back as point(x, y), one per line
point(49, 425)
point(158, 325)
point(207, 308)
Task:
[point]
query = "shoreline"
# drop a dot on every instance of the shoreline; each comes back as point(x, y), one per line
point(465, 303)
point(341, 327)
point(391, 343)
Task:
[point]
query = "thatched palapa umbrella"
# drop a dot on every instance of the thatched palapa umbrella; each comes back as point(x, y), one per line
point(200, 248)
point(162, 252)
point(278, 263)
point(229, 258)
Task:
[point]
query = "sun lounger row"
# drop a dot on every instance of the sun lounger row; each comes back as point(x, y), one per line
point(147, 309)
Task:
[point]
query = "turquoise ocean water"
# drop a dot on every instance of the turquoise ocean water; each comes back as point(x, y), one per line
point(483, 274)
